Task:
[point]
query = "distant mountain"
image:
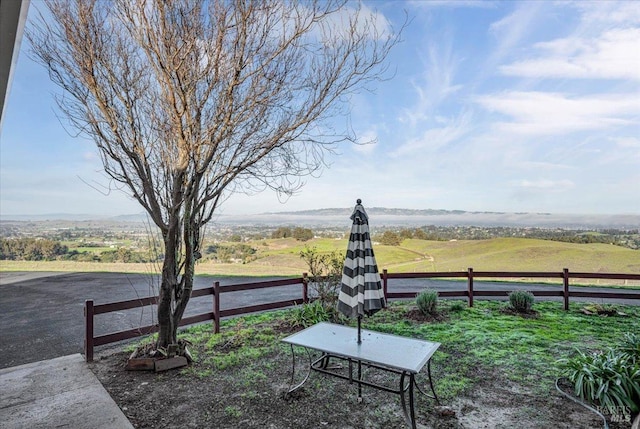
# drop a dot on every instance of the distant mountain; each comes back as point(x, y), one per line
point(383, 211)
point(382, 216)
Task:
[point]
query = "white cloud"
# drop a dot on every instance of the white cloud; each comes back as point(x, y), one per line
point(512, 29)
point(541, 192)
point(621, 152)
point(627, 142)
point(481, 4)
point(432, 139)
point(614, 54)
point(547, 185)
point(546, 113)
point(543, 166)
point(607, 13)
point(435, 84)
point(369, 22)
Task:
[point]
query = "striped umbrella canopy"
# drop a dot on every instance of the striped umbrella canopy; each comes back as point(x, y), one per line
point(361, 290)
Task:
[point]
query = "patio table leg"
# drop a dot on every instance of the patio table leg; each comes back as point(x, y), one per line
point(409, 415)
point(412, 408)
point(430, 385)
point(359, 382)
point(293, 388)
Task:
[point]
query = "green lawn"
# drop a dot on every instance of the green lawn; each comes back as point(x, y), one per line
point(477, 342)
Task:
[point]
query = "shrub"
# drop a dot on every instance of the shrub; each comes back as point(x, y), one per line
point(456, 306)
point(427, 301)
point(390, 238)
point(282, 232)
point(325, 274)
point(302, 234)
point(309, 314)
point(521, 301)
point(610, 379)
point(630, 347)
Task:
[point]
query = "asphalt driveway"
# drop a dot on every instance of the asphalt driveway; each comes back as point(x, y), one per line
point(42, 314)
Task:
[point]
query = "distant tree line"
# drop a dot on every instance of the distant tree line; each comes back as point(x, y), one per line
point(31, 249)
point(233, 247)
point(625, 238)
point(299, 233)
point(121, 254)
point(230, 253)
point(42, 249)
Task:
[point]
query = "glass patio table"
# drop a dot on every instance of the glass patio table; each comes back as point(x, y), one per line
point(402, 356)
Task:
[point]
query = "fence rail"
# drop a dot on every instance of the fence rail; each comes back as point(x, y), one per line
point(91, 310)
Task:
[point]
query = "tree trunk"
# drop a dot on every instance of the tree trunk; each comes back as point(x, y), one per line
point(181, 245)
point(169, 284)
point(167, 333)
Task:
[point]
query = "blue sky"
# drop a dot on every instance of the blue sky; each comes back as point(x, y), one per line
point(492, 106)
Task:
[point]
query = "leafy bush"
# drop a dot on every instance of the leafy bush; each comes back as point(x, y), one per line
point(282, 232)
point(521, 301)
point(231, 252)
point(325, 274)
point(309, 314)
point(611, 378)
point(630, 347)
point(31, 249)
point(456, 306)
point(427, 301)
point(390, 238)
point(302, 234)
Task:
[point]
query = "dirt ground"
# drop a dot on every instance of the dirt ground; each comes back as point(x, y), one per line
point(252, 397)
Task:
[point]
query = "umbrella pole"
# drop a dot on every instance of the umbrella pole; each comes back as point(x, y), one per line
point(359, 362)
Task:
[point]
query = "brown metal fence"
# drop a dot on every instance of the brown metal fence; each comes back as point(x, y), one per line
point(470, 275)
point(91, 310)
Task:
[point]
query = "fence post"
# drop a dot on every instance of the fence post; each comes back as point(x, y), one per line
point(470, 286)
point(88, 330)
point(565, 284)
point(216, 307)
point(384, 283)
point(305, 288)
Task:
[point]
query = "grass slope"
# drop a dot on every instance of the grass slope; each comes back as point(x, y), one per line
point(282, 257)
point(521, 254)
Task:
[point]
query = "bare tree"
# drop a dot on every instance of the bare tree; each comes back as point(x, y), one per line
point(189, 101)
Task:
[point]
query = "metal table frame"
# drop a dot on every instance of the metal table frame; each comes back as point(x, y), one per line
point(393, 354)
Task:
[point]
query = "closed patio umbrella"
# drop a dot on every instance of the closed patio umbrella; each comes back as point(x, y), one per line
point(361, 289)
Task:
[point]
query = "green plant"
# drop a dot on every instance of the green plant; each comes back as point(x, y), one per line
point(610, 379)
point(630, 347)
point(232, 411)
point(456, 306)
point(325, 271)
point(427, 301)
point(521, 301)
point(309, 314)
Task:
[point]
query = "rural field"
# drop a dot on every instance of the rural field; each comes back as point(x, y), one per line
point(281, 257)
